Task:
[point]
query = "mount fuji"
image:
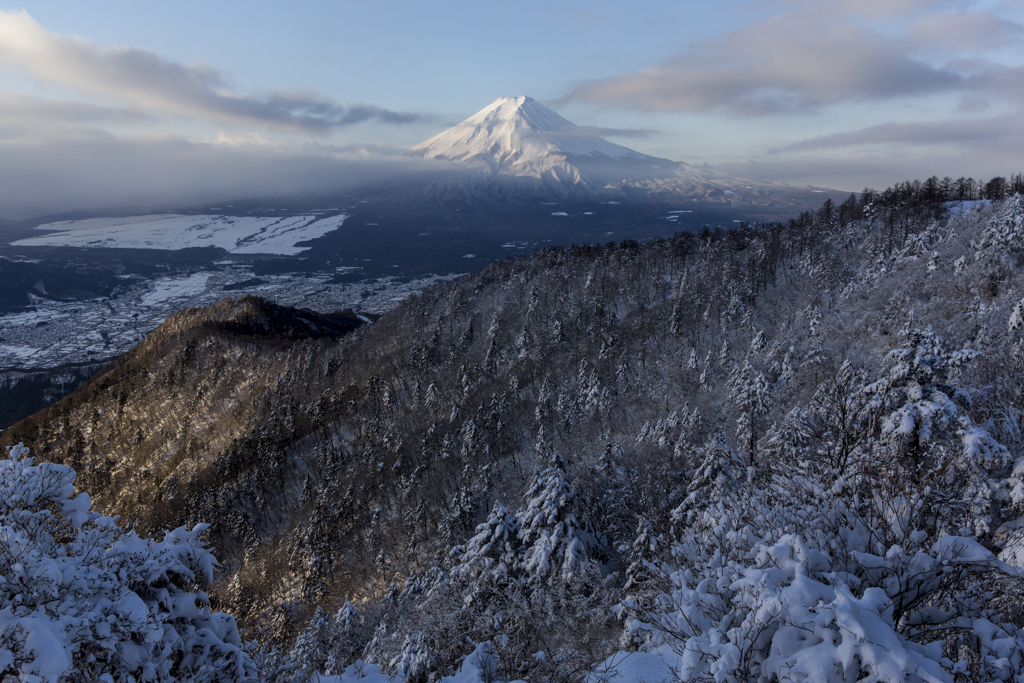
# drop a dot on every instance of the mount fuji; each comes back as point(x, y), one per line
point(518, 136)
point(518, 145)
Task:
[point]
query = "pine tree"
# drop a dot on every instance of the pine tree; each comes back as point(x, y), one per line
point(928, 414)
point(749, 391)
point(313, 647)
point(555, 548)
point(640, 569)
point(492, 554)
point(718, 472)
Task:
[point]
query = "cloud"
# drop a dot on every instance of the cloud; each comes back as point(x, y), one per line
point(824, 53)
point(148, 82)
point(881, 169)
point(875, 9)
point(886, 153)
point(958, 132)
point(966, 31)
point(79, 169)
point(28, 110)
point(1008, 81)
point(779, 64)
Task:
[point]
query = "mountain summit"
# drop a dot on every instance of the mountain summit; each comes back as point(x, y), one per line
point(518, 136)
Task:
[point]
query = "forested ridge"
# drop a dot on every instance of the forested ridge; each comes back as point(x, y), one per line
point(781, 452)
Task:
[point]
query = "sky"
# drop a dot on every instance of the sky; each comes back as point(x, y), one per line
point(112, 103)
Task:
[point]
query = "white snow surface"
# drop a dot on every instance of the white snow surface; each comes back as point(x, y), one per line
point(636, 667)
point(235, 234)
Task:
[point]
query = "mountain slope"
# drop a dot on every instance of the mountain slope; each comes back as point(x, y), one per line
point(636, 386)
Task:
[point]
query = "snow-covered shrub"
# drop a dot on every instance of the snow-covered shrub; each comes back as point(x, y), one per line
point(928, 423)
point(83, 600)
point(1006, 230)
point(847, 578)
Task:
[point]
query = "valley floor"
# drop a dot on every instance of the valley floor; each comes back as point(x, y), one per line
point(59, 333)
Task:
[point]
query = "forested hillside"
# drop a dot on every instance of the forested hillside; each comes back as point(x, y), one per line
point(781, 452)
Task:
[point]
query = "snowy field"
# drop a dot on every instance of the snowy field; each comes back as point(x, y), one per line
point(235, 234)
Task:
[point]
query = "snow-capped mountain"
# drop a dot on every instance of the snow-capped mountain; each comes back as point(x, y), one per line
point(518, 139)
point(518, 136)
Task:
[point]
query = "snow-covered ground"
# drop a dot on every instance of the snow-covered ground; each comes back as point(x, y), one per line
point(958, 208)
point(235, 234)
point(169, 289)
point(479, 667)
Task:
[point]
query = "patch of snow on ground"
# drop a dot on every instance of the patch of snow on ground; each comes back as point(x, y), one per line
point(166, 289)
point(360, 671)
point(12, 352)
point(235, 234)
point(966, 206)
point(633, 667)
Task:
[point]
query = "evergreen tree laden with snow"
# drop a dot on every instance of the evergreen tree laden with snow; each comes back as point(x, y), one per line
point(749, 391)
point(718, 472)
point(554, 547)
point(491, 556)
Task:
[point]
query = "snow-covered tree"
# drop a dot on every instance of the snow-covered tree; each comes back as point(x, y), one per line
point(718, 471)
point(928, 424)
point(804, 581)
point(313, 647)
point(492, 553)
point(554, 545)
point(415, 660)
point(749, 391)
point(640, 569)
point(83, 600)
